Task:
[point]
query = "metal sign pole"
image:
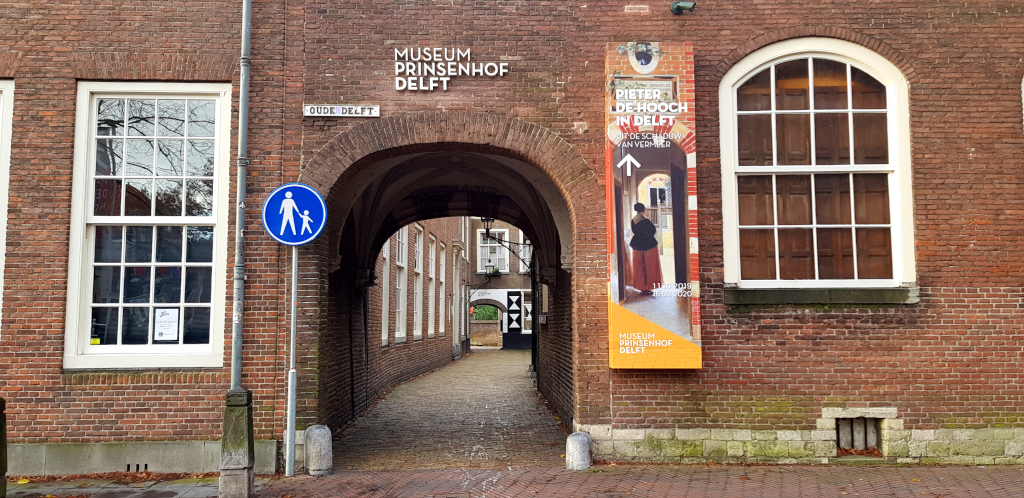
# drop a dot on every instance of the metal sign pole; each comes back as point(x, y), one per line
point(289, 458)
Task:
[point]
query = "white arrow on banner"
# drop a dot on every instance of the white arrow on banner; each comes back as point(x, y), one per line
point(630, 164)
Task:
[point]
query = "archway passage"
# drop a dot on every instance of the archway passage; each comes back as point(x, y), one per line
point(377, 194)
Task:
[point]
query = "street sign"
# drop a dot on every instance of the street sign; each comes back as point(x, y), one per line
point(341, 111)
point(294, 214)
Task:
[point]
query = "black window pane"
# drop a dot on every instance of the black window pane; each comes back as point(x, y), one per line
point(110, 117)
point(108, 244)
point(103, 329)
point(109, 154)
point(198, 284)
point(138, 198)
point(168, 244)
point(831, 138)
point(756, 93)
point(136, 284)
point(167, 285)
point(200, 244)
point(754, 140)
point(168, 198)
point(139, 244)
point(171, 115)
point(868, 93)
point(835, 253)
point(106, 284)
point(197, 326)
point(830, 85)
point(791, 85)
point(141, 117)
point(200, 198)
point(107, 200)
point(135, 326)
point(794, 136)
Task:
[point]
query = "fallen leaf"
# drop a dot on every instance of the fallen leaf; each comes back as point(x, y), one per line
point(917, 480)
point(22, 481)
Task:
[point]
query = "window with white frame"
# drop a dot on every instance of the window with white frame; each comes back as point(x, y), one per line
point(417, 286)
point(431, 287)
point(441, 292)
point(490, 252)
point(401, 278)
point(385, 291)
point(6, 116)
point(524, 253)
point(149, 230)
point(816, 168)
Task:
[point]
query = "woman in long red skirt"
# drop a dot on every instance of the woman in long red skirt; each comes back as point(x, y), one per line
point(646, 261)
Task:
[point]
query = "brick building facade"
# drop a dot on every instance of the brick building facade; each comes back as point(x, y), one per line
point(859, 170)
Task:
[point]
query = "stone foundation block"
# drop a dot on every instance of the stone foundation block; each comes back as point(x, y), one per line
point(734, 448)
point(661, 433)
point(716, 449)
point(627, 434)
point(766, 435)
point(693, 434)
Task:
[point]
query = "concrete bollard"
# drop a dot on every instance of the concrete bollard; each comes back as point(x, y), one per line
point(577, 451)
point(319, 453)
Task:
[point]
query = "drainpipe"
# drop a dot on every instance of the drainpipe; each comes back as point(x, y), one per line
point(237, 456)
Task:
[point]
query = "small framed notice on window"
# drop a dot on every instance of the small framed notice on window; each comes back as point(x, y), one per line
point(165, 326)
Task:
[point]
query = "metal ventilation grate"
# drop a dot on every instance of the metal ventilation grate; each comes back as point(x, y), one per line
point(860, 433)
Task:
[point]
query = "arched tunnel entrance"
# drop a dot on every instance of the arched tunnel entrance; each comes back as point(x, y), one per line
point(352, 351)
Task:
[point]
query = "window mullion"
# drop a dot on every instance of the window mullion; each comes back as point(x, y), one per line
point(775, 228)
point(814, 227)
point(853, 226)
point(774, 118)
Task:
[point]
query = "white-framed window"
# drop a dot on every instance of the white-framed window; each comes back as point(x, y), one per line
point(432, 287)
point(524, 253)
point(417, 286)
point(385, 291)
point(816, 168)
point(149, 226)
point(490, 252)
point(401, 279)
point(6, 117)
point(441, 304)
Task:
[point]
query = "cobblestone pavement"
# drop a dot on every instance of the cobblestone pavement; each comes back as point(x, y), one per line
point(479, 412)
point(663, 480)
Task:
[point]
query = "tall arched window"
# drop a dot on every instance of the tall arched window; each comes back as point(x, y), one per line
point(816, 169)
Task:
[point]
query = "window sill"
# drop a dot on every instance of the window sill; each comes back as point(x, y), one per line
point(895, 295)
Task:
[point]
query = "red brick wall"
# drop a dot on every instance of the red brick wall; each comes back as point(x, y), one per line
point(953, 360)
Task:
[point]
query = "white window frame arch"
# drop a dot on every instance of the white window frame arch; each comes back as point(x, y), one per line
point(900, 177)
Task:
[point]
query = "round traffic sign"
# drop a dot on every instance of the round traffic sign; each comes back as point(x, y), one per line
point(294, 214)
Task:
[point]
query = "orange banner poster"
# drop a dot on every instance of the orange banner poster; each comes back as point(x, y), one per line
point(654, 291)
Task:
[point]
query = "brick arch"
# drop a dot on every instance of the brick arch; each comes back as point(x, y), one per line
point(404, 133)
point(351, 151)
point(839, 33)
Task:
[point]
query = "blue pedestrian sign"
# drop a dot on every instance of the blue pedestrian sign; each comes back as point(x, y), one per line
point(294, 214)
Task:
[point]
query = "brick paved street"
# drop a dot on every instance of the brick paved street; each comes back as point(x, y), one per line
point(667, 481)
point(479, 412)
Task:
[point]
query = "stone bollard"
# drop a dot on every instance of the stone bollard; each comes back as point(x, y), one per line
point(319, 453)
point(577, 451)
